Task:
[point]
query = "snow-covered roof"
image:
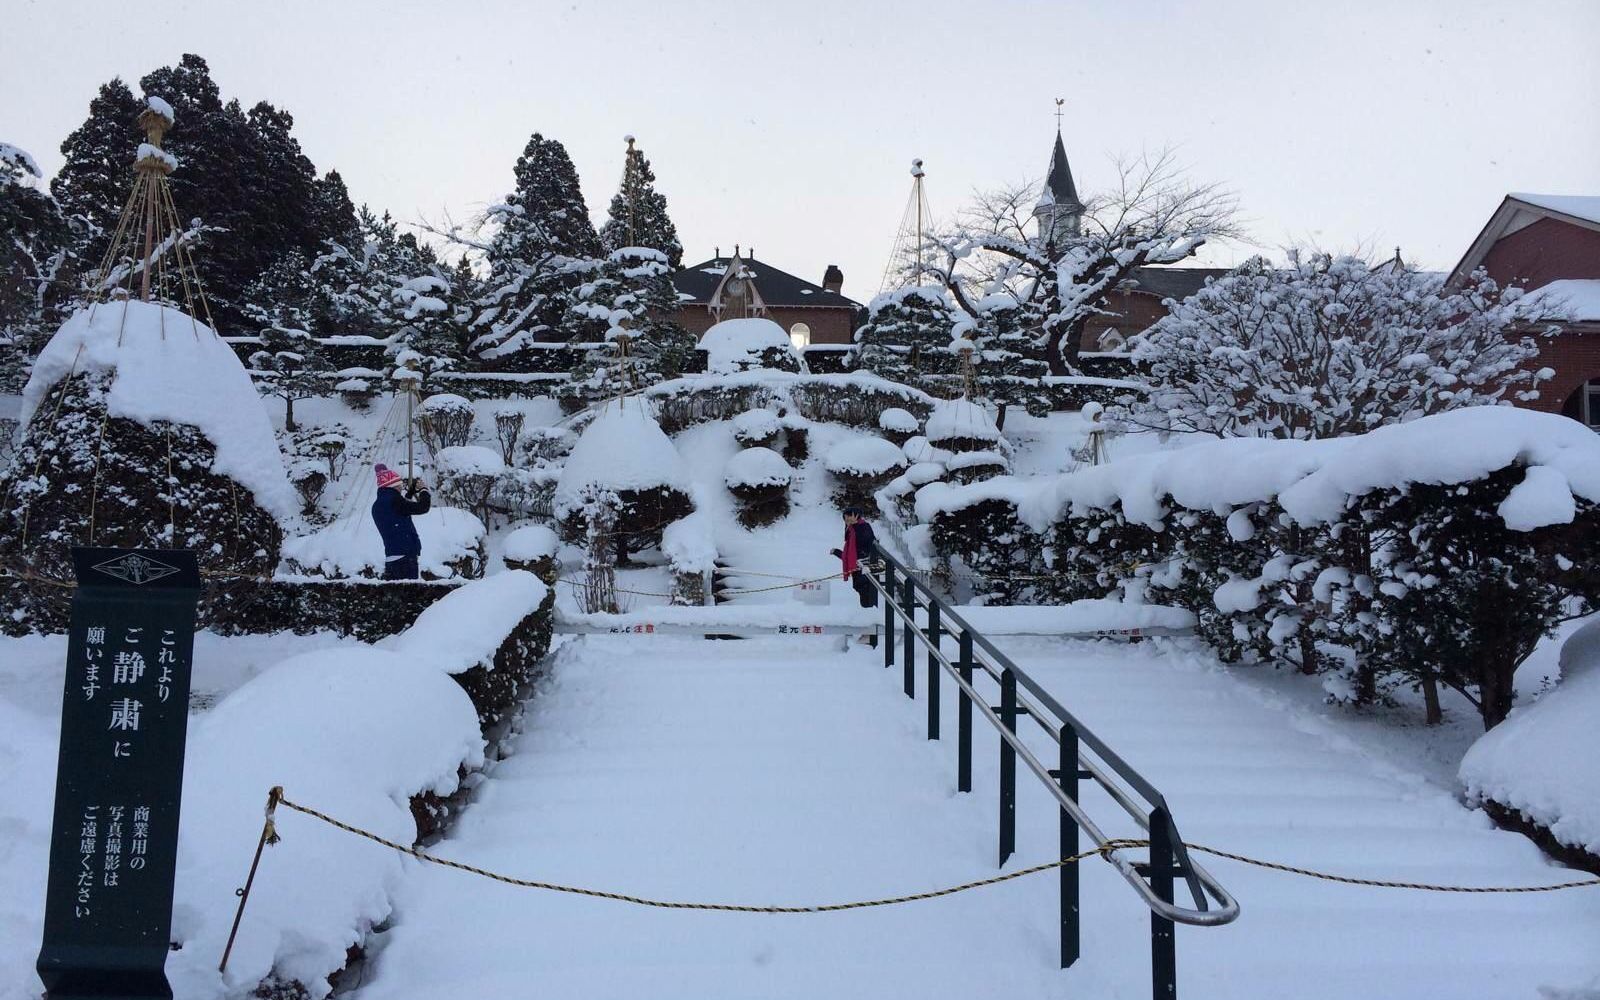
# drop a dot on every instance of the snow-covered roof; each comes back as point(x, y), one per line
point(623, 448)
point(1576, 299)
point(1581, 206)
point(167, 366)
point(757, 467)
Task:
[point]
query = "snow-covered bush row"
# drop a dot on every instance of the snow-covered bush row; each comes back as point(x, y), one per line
point(1427, 553)
point(489, 635)
point(1540, 763)
point(856, 398)
point(690, 546)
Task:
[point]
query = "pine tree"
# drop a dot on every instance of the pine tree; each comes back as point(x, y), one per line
point(333, 213)
point(242, 173)
point(35, 266)
point(628, 298)
point(1006, 371)
point(907, 336)
point(281, 304)
point(638, 214)
point(93, 184)
point(540, 250)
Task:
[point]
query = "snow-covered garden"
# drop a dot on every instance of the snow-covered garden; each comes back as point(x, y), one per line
point(1369, 574)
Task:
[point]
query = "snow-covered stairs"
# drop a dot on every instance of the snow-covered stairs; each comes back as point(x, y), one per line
point(783, 771)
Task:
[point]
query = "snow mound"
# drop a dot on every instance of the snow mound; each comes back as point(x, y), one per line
point(961, 418)
point(735, 345)
point(623, 448)
point(970, 459)
point(370, 729)
point(898, 420)
point(865, 456)
point(165, 365)
point(920, 451)
point(756, 425)
point(689, 543)
point(469, 460)
point(445, 402)
point(464, 628)
point(757, 467)
point(1544, 760)
point(353, 548)
point(530, 542)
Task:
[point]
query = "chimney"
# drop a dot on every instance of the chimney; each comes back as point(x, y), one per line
point(833, 279)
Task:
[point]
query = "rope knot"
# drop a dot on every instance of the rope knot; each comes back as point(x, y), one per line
point(273, 798)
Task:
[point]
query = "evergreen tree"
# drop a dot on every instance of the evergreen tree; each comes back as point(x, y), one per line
point(93, 184)
point(357, 281)
point(540, 250)
point(34, 265)
point(334, 213)
point(629, 295)
point(241, 173)
point(907, 336)
point(638, 215)
point(1006, 371)
point(281, 304)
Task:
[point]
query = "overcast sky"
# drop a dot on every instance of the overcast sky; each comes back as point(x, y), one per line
point(790, 127)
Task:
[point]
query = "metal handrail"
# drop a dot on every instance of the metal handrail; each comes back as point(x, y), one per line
point(1136, 796)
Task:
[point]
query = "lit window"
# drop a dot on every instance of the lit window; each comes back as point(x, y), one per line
point(800, 335)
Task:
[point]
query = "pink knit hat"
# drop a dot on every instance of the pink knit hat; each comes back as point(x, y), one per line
point(386, 476)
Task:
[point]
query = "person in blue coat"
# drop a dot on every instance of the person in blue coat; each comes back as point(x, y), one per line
point(392, 512)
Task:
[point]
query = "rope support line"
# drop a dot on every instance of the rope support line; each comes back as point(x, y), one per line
point(734, 593)
point(276, 797)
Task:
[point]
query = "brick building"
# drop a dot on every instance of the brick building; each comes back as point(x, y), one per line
point(741, 287)
point(1550, 245)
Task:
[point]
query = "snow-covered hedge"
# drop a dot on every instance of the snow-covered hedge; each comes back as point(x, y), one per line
point(140, 426)
point(898, 424)
point(1431, 553)
point(489, 635)
point(961, 425)
point(861, 467)
point(737, 345)
point(759, 478)
point(857, 398)
point(1541, 763)
point(757, 428)
point(623, 451)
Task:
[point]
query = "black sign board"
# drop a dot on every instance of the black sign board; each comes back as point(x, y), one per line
point(124, 720)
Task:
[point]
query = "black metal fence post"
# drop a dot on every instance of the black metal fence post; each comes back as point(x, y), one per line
point(908, 604)
point(964, 717)
point(1008, 766)
point(933, 670)
point(1071, 938)
point(888, 614)
point(1163, 945)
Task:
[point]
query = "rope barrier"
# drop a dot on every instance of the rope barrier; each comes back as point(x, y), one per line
point(734, 593)
point(276, 797)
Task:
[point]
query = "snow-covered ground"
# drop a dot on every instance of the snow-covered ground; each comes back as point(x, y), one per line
point(784, 771)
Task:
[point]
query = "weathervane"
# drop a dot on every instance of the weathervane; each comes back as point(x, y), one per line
point(1059, 101)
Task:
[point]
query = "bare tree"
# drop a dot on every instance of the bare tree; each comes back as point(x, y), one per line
point(1153, 215)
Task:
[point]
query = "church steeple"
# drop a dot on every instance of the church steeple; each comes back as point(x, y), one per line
point(1060, 212)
